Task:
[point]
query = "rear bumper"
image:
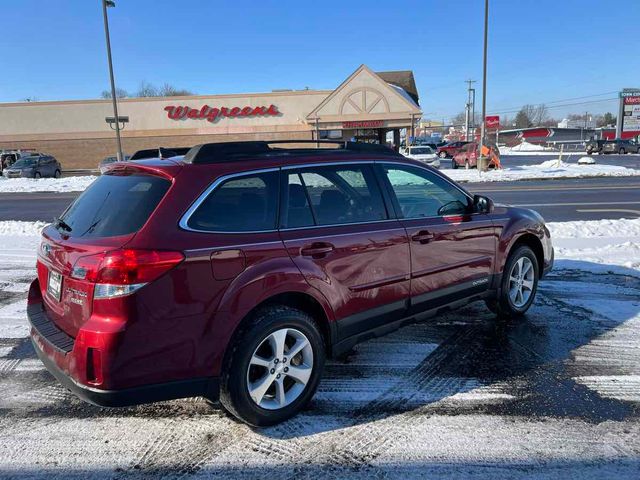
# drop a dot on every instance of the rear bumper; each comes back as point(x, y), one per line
point(197, 387)
point(62, 356)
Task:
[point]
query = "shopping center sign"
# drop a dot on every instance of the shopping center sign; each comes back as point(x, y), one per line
point(629, 113)
point(212, 114)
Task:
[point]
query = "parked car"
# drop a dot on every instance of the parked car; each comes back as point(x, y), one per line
point(235, 271)
point(109, 160)
point(594, 146)
point(423, 154)
point(620, 146)
point(9, 157)
point(467, 157)
point(34, 166)
point(450, 149)
point(160, 152)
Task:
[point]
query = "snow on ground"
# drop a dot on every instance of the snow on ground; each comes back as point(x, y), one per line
point(608, 245)
point(554, 396)
point(548, 169)
point(64, 184)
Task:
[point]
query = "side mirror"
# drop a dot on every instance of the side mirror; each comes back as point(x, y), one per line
point(482, 204)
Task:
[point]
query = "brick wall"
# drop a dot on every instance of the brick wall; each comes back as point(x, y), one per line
point(87, 153)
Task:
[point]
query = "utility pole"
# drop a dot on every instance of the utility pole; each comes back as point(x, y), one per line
point(484, 81)
point(114, 101)
point(469, 108)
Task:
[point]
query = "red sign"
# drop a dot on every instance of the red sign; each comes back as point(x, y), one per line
point(211, 114)
point(364, 124)
point(631, 100)
point(491, 121)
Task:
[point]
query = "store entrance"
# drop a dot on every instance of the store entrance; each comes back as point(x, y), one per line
point(370, 135)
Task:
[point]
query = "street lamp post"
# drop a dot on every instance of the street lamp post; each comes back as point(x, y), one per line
point(484, 81)
point(105, 4)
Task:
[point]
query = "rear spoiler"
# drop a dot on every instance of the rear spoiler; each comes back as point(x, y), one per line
point(160, 152)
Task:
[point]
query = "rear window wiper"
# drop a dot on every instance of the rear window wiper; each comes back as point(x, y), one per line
point(62, 224)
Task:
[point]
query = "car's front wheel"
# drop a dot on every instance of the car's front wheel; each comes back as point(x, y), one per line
point(621, 151)
point(57, 174)
point(519, 284)
point(37, 175)
point(274, 366)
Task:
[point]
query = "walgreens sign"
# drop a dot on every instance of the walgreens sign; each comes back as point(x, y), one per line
point(212, 114)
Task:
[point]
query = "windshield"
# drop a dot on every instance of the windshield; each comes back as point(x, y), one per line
point(25, 162)
point(421, 151)
point(114, 205)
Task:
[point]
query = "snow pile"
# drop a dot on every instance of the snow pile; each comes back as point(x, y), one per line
point(529, 147)
point(595, 228)
point(586, 161)
point(65, 184)
point(548, 169)
point(603, 245)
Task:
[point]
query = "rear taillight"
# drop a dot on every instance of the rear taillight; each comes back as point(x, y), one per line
point(121, 272)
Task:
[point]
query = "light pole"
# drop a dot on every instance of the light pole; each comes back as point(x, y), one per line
point(484, 80)
point(105, 4)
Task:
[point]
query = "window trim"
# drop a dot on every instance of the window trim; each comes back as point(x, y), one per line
point(184, 220)
point(388, 195)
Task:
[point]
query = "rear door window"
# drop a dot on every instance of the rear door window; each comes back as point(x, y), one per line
point(332, 195)
point(240, 204)
point(115, 205)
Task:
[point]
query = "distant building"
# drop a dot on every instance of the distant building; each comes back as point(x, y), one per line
point(587, 124)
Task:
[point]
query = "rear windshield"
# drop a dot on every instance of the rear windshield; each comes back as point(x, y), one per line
point(114, 205)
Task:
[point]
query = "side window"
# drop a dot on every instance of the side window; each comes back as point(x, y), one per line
point(240, 204)
point(337, 195)
point(423, 194)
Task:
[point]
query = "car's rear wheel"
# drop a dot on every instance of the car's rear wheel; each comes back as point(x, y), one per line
point(466, 164)
point(37, 175)
point(621, 151)
point(454, 164)
point(443, 154)
point(519, 284)
point(57, 174)
point(274, 366)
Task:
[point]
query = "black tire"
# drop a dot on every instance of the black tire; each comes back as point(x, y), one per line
point(466, 164)
point(37, 175)
point(442, 154)
point(621, 151)
point(57, 174)
point(454, 164)
point(503, 306)
point(234, 393)
point(589, 152)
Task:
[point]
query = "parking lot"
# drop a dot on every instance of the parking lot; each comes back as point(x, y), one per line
point(555, 395)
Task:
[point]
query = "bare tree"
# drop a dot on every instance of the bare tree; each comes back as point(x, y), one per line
point(459, 119)
point(147, 89)
point(120, 93)
point(168, 90)
point(540, 114)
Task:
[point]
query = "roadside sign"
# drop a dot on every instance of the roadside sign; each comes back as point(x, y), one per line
point(492, 121)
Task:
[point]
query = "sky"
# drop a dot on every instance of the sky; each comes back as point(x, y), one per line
point(572, 55)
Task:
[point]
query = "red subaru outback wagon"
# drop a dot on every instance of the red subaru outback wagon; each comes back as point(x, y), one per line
point(234, 271)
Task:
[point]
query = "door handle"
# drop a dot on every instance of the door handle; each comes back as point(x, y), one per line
point(423, 237)
point(316, 249)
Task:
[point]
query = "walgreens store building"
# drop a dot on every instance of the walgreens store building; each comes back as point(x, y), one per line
point(365, 107)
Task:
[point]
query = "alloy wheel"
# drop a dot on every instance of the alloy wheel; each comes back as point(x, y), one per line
point(280, 369)
point(521, 281)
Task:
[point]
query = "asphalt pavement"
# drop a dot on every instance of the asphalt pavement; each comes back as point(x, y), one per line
point(556, 200)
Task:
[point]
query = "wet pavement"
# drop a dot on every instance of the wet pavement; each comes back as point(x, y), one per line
point(554, 395)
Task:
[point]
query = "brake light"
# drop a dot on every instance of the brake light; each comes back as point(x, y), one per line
point(121, 272)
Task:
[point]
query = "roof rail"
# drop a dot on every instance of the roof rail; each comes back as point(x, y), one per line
point(229, 151)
